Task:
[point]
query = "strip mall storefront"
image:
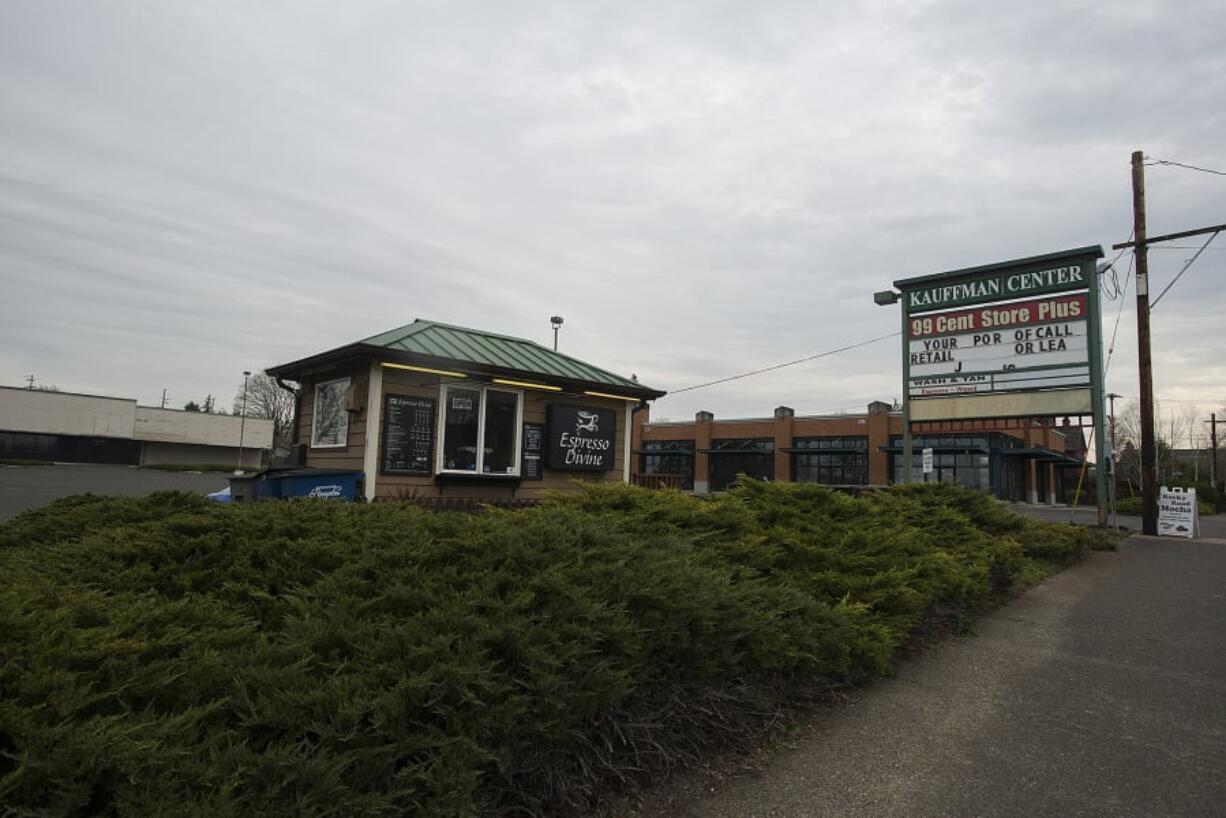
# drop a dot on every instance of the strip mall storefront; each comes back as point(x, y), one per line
point(1038, 462)
point(434, 410)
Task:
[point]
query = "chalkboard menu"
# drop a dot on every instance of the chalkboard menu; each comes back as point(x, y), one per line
point(408, 435)
point(533, 465)
point(580, 438)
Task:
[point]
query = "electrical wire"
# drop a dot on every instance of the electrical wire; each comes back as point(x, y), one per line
point(788, 363)
point(1113, 292)
point(1118, 314)
point(1186, 265)
point(1153, 161)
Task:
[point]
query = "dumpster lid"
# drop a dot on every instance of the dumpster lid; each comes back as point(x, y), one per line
point(309, 471)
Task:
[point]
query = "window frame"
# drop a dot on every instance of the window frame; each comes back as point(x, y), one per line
point(343, 436)
point(440, 450)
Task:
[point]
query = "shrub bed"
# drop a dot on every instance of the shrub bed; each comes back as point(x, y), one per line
point(172, 656)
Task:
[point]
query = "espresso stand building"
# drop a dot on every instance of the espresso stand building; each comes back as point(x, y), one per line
point(431, 410)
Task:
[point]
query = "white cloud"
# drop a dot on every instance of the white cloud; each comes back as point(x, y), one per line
point(700, 189)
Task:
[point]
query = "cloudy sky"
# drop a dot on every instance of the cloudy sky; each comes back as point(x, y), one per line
point(188, 190)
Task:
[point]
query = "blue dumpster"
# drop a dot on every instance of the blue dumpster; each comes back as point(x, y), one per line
point(321, 484)
point(282, 483)
point(247, 487)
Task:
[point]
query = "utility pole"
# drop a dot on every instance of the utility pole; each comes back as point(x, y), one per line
point(30, 381)
point(1149, 454)
point(1213, 472)
point(163, 397)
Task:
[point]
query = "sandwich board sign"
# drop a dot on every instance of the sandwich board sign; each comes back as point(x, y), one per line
point(1177, 515)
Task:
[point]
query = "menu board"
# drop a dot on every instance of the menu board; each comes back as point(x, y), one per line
point(408, 435)
point(532, 467)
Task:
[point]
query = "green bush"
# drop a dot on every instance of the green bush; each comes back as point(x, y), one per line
point(172, 656)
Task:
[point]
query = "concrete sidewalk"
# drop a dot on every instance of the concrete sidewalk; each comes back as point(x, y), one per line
point(1100, 693)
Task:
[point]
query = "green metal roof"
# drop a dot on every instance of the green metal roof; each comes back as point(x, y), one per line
point(490, 349)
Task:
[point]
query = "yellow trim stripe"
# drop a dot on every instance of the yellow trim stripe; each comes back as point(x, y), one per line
point(607, 395)
point(544, 386)
point(446, 372)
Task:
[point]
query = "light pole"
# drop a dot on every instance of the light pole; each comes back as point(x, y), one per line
point(556, 321)
point(242, 422)
point(1115, 520)
point(885, 298)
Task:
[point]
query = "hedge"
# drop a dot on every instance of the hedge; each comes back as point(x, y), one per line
point(172, 656)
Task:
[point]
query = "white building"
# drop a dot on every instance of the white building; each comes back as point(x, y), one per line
point(75, 428)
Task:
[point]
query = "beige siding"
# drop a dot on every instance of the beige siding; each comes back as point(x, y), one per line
point(350, 457)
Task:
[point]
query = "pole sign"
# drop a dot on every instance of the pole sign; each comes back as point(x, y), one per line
point(1033, 344)
point(1177, 513)
point(1015, 339)
point(927, 454)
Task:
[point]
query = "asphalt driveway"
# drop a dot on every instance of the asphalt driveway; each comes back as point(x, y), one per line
point(26, 487)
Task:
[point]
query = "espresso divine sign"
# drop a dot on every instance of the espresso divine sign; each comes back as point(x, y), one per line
point(580, 438)
point(1022, 346)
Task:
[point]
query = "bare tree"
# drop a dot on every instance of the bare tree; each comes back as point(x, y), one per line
point(265, 399)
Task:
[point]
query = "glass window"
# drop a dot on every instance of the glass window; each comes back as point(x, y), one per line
point(461, 426)
point(665, 462)
point(329, 420)
point(481, 430)
point(731, 457)
point(954, 460)
point(501, 423)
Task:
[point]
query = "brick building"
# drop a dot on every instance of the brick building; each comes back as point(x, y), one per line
point(1033, 460)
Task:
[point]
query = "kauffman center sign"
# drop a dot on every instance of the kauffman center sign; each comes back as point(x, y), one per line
point(1015, 339)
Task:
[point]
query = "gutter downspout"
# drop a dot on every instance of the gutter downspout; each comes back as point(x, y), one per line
point(294, 392)
point(629, 437)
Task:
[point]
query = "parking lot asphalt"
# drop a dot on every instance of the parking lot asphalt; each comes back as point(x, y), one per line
point(26, 487)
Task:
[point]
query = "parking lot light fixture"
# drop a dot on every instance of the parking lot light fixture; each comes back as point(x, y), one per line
point(242, 422)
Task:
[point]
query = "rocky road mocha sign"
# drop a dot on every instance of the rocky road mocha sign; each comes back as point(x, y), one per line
point(580, 438)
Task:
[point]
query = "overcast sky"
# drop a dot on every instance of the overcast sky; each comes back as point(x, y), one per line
point(188, 190)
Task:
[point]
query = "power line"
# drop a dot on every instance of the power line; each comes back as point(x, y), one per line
point(1118, 314)
point(789, 363)
point(1153, 161)
point(1114, 292)
point(1213, 401)
point(1186, 265)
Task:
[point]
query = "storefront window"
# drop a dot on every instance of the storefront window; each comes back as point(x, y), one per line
point(833, 461)
point(481, 429)
point(329, 420)
point(754, 457)
point(964, 460)
point(676, 457)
